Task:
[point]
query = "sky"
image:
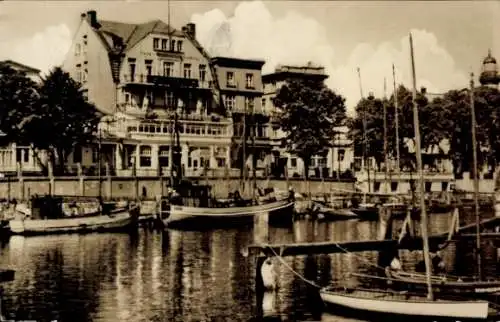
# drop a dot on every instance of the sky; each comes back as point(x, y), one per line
point(450, 38)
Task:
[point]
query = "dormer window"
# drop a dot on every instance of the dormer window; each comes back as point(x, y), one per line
point(230, 79)
point(156, 43)
point(179, 45)
point(249, 81)
point(164, 44)
point(172, 45)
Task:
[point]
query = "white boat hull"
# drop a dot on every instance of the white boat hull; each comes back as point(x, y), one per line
point(180, 214)
point(117, 220)
point(411, 307)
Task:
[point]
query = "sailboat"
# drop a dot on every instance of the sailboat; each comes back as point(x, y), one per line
point(474, 285)
point(389, 302)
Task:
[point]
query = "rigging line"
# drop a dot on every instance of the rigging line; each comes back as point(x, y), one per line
point(293, 271)
point(359, 257)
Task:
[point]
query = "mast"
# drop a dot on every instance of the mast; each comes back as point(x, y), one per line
point(365, 143)
point(244, 165)
point(476, 177)
point(254, 160)
point(396, 116)
point(385, 138)
point(418, 155)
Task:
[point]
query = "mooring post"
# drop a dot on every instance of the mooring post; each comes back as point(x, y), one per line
point(259, 283)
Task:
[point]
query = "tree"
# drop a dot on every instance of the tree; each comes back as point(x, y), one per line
point(63, 120)
point(309, 112)
point(431, 131)
point(18, 99)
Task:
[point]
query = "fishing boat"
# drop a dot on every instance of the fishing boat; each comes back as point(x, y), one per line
point(193, 206)
point(409, 305)
point(48, 217)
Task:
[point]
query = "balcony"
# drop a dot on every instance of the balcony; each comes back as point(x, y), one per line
point(164, 128)
point(176, 82)
point(167, 81)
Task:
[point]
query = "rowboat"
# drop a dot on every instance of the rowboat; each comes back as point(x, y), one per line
point(392, 303)
point(109, 220)
point(179, 214)
point(446, 284)
point(330, 213)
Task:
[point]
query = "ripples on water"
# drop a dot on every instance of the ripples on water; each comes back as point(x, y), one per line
point(184, 276)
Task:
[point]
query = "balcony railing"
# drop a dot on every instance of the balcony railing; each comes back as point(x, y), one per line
point(164, 127)
point(169, 81)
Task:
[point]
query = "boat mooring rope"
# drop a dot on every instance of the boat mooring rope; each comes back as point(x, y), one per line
point(293, 271)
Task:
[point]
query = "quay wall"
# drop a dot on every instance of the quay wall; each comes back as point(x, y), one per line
point(143, 187)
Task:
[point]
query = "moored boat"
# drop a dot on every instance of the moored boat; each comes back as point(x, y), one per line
point(446, 284)
point(51, 219)
point(402, 304)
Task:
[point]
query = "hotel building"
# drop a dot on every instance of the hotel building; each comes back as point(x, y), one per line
point(339, 158)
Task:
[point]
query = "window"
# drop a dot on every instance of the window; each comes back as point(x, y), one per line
point(179, 45)
point(264, 104)
point(187, 70)
point(172, 45)
point(249, 104)
point(84, 75)
point(230, 102)
point(203, 72)
point(168, 69)
point(230, 79)
point(149, 67)
point(77, 154)
point(78, 49)
point(127, 98)
point(131, 68)
point(249, 81)
point(163, 156)
point(293, 162)
point(221, 162)
point(164, 44)
point(95, 154)
point(170, 100)
point(156, 43)
point(145, 156)
point(79, 73)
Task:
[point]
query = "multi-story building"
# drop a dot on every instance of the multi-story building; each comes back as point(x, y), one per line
point(13, 157)
point(144, 76)
point(339, 158)
point(240, 82)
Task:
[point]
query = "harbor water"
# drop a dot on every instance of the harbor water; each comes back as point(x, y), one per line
point(189, 275)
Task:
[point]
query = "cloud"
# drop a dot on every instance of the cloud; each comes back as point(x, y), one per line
point(43, 50)
point(253, 32)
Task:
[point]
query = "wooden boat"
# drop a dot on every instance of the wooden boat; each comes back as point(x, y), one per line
point(184, 214)
point(49, 218)
point(330, 213)
point(366, 211)
point(402, 303)
point(447, 284)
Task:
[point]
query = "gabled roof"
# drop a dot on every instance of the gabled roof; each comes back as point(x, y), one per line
point(131, 34)
point(20, 66)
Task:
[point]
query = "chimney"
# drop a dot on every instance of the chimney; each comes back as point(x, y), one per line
point(423, 90)
point(371, 96)
point(92, 18)
point(191, 30)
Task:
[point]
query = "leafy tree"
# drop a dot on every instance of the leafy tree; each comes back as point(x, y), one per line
point(18, 99)
point(63, 120)
point(309, 112)
point(431, 131)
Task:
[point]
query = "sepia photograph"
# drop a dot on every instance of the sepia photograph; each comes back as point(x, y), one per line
point(188, 160)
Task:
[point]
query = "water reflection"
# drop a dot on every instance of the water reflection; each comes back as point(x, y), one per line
point(186, 276)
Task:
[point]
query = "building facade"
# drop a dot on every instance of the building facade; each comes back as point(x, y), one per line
point(240, 82)
point(339, 158)
point(15, 158)
point(146, 77)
